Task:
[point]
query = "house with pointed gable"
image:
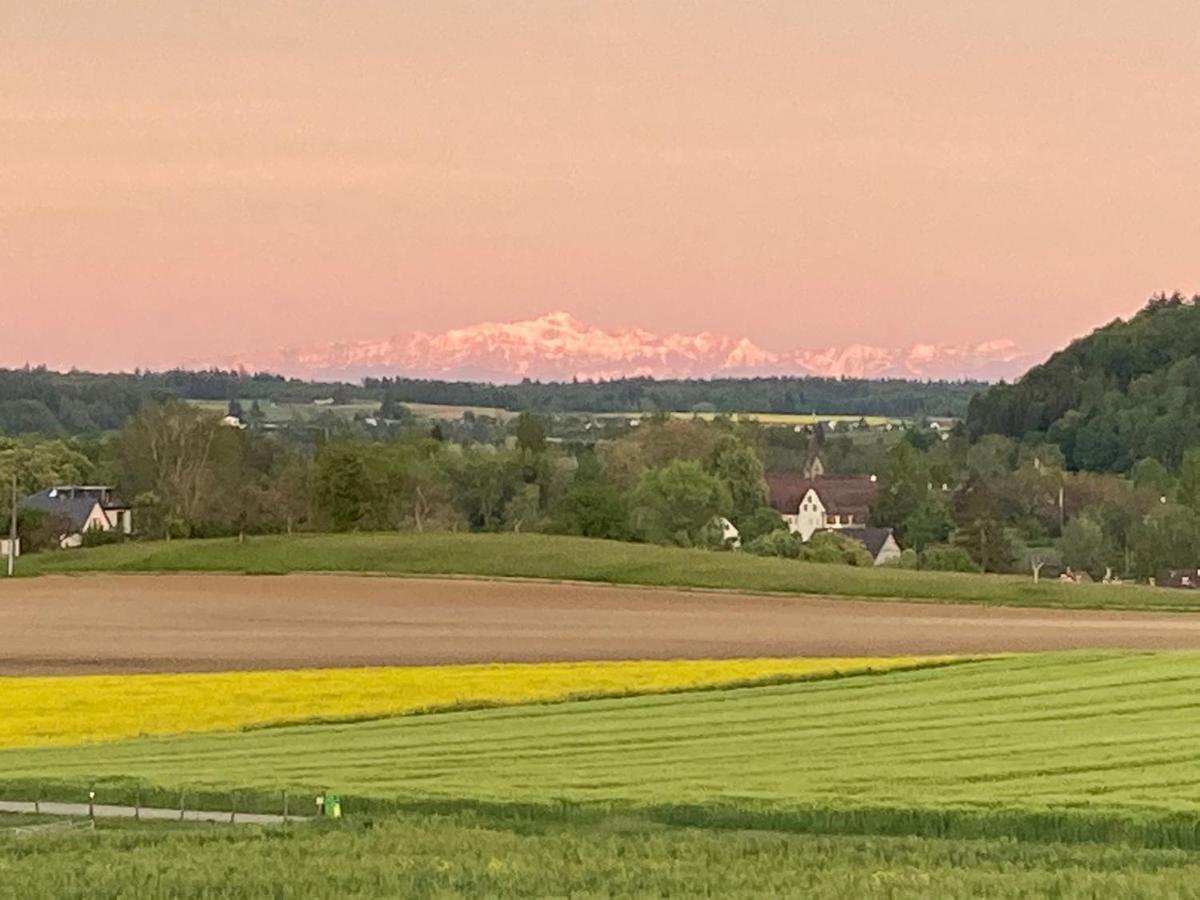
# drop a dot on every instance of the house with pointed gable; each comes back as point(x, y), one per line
point(840, 503)
point(81, 508)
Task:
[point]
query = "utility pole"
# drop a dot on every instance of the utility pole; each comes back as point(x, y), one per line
point(12, 526)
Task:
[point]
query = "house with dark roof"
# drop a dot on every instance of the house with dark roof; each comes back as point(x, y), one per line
point(839, 503)
point(830, 501)
point(880, 543)
point(80, 509)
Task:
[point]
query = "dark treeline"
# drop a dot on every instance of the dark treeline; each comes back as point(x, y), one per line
point(39, 401)
point(1128, 392)
point(850, 396)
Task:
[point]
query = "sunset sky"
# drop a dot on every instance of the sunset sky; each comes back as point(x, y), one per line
point(183, 180)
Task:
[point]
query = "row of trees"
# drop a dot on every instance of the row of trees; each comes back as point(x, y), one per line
point(996, 504)
point(1014, 506)
point(778, 394)
point(188, 475)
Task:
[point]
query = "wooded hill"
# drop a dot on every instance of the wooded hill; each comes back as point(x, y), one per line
point(1127, 392)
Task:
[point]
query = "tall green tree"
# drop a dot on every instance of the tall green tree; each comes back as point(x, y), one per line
point(163, 461)
point(678, 502)
point(739, 467)
point(1085, 547)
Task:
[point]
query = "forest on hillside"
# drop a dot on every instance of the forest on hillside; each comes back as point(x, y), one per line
point(1127, 393)
point(39, 401)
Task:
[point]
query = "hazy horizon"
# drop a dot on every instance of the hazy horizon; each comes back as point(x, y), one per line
point(190, 183)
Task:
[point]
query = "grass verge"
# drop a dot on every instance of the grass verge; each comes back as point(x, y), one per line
point(581, 559)
point(473, 853)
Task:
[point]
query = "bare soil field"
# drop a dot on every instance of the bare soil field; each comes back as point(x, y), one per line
point(158, 623)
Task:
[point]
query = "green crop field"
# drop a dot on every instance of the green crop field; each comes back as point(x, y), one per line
point(480, 856)
point(1061, 775)
point(1051, 747)
point(582, 559)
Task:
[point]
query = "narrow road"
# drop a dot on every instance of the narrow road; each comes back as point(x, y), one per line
point(180, 623)
point(107, 811)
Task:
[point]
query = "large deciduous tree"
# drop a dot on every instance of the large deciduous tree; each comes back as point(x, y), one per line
point(163, 461)
point(678, 502)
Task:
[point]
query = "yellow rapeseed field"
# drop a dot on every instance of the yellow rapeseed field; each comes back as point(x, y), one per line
point(42, 711)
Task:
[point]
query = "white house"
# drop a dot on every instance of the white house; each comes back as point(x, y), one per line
point(839, 503)
point(830, 501)
point(80, 509)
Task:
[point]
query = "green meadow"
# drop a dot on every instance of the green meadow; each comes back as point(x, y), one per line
point(537, 556)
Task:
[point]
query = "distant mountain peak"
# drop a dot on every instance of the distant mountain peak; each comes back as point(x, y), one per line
point(558, 346)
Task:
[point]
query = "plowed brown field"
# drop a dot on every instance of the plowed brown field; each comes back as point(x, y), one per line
point(157, 623)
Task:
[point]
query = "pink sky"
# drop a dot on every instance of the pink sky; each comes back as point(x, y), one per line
point(185, 180)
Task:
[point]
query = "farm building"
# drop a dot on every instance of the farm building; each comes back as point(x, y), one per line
point(80, 509)
point(827, 502)
point(840, 503)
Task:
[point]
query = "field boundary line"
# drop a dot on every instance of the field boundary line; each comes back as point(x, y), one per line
point(159, 813)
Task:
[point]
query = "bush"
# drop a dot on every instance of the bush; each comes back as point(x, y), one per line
point(39, 530)
point(781, 543)
point(761, 523)
point(945, 558)
point(97, 538)
point(831, 547)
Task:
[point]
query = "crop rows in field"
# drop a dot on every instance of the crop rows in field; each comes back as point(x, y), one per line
point(1100, 731)
point(45, 711)
point(468, 855)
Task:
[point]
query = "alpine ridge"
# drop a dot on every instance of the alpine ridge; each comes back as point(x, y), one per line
point(557, 346)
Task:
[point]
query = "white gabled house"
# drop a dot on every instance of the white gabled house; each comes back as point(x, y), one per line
point(80, 509)
point(840, 503)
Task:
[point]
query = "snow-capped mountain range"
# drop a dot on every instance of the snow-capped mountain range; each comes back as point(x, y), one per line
point(557, 346)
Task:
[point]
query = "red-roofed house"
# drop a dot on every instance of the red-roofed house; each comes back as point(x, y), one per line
point(831, 503)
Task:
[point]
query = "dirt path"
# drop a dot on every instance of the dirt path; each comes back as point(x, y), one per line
point(148, 623)
point(108, 811)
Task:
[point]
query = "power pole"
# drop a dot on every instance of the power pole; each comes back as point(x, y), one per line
point(12, 526)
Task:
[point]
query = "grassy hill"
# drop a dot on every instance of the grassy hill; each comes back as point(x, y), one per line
point(581, 559)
